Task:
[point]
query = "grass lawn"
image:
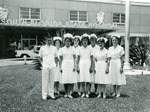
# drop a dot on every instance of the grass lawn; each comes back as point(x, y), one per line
point(20, 91)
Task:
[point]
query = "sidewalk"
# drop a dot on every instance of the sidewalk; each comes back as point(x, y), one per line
point(20, 61)
point(14, 61)
point(137, 72)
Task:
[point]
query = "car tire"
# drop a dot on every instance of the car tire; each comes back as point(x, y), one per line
point(22, 56)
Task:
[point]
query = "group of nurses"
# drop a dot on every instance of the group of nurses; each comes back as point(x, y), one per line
point(84, 60)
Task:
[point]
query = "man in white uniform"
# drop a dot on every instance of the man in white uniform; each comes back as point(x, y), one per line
point(48, 57)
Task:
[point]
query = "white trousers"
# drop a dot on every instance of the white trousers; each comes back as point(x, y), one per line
point(47, 82)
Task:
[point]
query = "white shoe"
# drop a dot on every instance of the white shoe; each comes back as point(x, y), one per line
point(96, 93)
point(79, 93)
point(44, 98)
point(57, 92)
point(65, 96)
point(99, 96)
point(114, 94)
point(118, 95)
point(69, 96)
point(51, 97)
point(104, 96)
point(87, 95)
point(83, 95)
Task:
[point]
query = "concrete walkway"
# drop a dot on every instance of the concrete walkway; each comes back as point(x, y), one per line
point(20, 61)
point(137, 72)
point(14, 61)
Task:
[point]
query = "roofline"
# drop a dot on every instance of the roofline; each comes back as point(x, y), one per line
point(120, 2)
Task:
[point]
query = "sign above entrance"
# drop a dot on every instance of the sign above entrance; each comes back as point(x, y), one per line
point(58, 24)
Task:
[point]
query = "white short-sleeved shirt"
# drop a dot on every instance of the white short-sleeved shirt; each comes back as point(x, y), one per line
point(85, 53)
point(58, 52)
point(67, 53)
point(115, 53)
point(48, 54)
point(101, 54)
point(77, 50)
point(94, 49)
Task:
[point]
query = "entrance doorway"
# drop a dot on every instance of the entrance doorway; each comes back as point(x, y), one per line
point(27, 41)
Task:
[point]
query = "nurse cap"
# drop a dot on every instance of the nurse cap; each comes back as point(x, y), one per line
point(102, 38)
point(68, 35)
point(57, 38)
point(77, 36)
point(93, 36)
point(85, 35)
point(116, 35)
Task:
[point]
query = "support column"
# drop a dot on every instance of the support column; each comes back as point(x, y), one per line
point(127, 35)
point(2, 43)
point(21, 42)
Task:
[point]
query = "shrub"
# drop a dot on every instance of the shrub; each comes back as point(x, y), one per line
point(139, 54)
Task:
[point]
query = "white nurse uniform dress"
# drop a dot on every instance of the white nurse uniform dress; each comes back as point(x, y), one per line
point(115, 64)
point(85, 64)
point(68, 76)
point(76, 53)
point(94, 49)
point(100, 66)
point(57, 69)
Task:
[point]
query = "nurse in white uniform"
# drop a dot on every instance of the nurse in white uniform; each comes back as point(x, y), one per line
point(94, 47)
point(101, 77)
point(116, 55)
point(57, 44)
point(76, 45)
point(85, 65)
point(67, 65)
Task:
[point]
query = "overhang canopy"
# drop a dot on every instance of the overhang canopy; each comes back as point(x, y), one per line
point(131, 34)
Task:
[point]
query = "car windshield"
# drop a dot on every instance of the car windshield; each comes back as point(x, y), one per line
point(31, 47)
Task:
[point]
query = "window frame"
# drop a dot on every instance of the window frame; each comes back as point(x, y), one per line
point(29, 14)
point(78, 11)
point(120, 19)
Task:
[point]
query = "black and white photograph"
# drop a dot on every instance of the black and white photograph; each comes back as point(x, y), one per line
point(74, 55)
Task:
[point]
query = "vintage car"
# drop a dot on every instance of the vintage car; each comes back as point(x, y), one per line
point(32, 52)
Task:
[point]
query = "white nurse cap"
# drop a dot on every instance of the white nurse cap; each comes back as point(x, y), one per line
point(93, 36)
point(116, 35)
point(57, 38)
point(77, 36)
point(102, 38)
point(68, 35)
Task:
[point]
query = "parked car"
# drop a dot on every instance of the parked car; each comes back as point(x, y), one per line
point(32, 52)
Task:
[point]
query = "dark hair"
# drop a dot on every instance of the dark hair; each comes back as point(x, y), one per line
point(57, 40)
point(48, 36)
point(69, 39)
point(115, 37)
point(119, 39)
point(78, 40)
point(87, 38)
point(101, 40)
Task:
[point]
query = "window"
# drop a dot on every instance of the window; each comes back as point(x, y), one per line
point(78, 15)
point(30, 13)
point(118, 18)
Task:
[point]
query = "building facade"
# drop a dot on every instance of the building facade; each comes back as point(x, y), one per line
point(27, 21)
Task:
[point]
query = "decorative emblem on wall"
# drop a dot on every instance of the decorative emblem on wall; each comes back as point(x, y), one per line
point(100, 17)
point(3, 13)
